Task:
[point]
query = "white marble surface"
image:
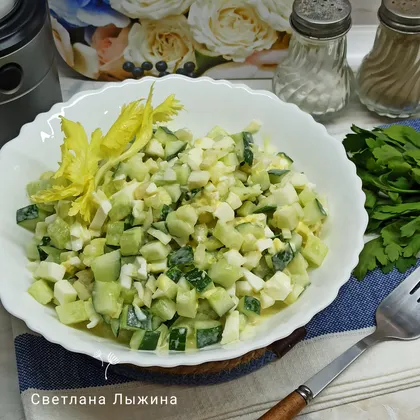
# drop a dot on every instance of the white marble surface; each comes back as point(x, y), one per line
point(403, 405)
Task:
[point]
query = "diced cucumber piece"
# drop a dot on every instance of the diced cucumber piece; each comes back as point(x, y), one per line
point(199, 280)
point(276, 175)
point(41, 292)
point(164, 308)
point(167, 286)
point(130, 321)
point(220, 300)
point(114, 232)
point(246, 209)
point(244, 142)
point(224, 273)
point(186, 303)
point(207, 333)
point(59, 232)
point(50, 271)
point(298, 265)
point(251, 228)
point(178, 338)
point(164, 135)
point(285, 217)
point(174, 273)
point(50, 254)
point(301, 279)
point(212, 244)
point(174, 191)
point(107, 267)
point(287, 158)
point(261, 178)
point(128, 295)
point(121, 207)
point(178, 228)
point(182, 174)
point(145, 340)
point(306, 196)
point(228, 235)
point(72, 313)
point(136, 339)
point(174, 148)
point(312, 212)
point(131, 241)
point(106, 298)
point(282, 258)
point(231, 329)
point(83, 292)
point(188, 214)
point(182, 256)
point(314, 250)
point(29, 216)
point(294, 294)
point(155, 251)
point(249, 306)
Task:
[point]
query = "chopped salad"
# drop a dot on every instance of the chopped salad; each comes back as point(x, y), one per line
point(174, 241)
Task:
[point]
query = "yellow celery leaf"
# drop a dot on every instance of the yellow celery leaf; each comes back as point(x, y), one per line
point(167, 109)
point(85, 205)
point(57, 192)
point(124, 129)
point(78, 167)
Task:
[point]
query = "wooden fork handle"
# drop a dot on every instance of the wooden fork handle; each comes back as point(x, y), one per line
point(287, 409)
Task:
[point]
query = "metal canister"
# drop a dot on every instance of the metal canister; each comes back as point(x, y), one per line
point(29, 82)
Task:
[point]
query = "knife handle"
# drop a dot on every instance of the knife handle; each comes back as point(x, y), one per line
point(287, 409)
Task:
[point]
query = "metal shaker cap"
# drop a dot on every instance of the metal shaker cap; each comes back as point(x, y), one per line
point(321, 19)
point(401, 15)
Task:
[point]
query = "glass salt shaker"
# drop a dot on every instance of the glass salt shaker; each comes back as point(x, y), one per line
point(388, 81)
point(315, 75)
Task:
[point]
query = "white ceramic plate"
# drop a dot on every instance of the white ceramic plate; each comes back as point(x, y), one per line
point(207, 103)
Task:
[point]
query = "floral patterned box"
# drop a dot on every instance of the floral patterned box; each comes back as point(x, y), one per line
point(119, 39)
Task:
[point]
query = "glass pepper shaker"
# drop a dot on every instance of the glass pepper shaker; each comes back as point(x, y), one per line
point(388, 81)
point(315, 75)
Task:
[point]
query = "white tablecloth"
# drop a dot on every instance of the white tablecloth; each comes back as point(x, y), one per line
point(404, 405)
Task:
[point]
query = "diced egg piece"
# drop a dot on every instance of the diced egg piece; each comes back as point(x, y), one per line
point(257, 283)
point(225, 143)
point(140, 289)
point(263, 244)
point(268, 232)
point(169, 175)
point(266, 300)
point(234, 201)
point(224, 212)
point(231, 330)
point(142, 268)
point(151, 189)
point(195, 157)
point(234, 257)
point(204, 143)
point(64, 292)
point(198, 179)
point(279, 286)
point(50, 271)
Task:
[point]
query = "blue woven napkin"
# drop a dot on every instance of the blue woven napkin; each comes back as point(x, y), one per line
point(47, 370)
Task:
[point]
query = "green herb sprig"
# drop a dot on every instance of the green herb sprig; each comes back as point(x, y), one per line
point(388, 162)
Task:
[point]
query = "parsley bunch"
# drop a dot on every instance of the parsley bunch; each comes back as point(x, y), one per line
point(388, 162)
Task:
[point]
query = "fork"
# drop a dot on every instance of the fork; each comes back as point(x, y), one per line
point(397, 318)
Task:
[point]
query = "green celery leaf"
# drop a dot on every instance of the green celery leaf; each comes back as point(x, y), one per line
point(372, 253)
point(370, 199)
point(403, 134)
point(388, 212)
point(399, 166)
point(416, 175)
point(385, 153)
point(403, 264)
point(414, 154)
point(410, 228)
point(387, 268)
point(413, 247)
point(391, 236)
